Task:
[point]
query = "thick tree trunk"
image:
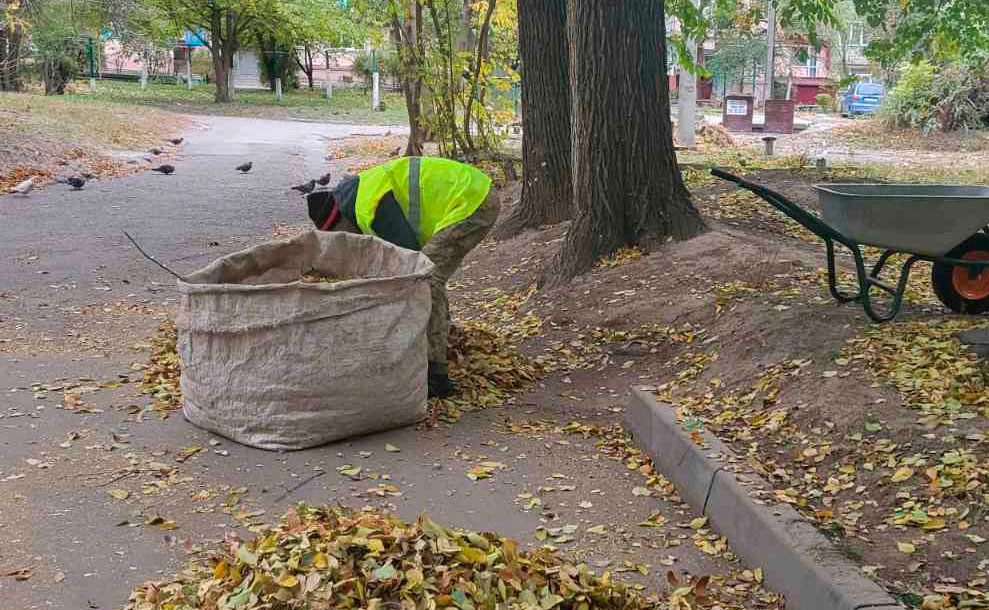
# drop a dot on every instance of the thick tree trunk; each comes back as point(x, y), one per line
point(627, 185)
point(217, 48)
point(547, 189)
point(222, 93)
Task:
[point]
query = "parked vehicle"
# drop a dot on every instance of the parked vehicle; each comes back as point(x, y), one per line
point(862, 98)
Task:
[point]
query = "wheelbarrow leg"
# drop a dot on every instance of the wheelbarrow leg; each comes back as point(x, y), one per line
point(896, 292)
point(833, 277)
point(877, 269)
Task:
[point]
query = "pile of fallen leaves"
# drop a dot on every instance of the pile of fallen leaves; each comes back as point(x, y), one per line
point(162, 373)
point(14, 177)
point(715, 136)
point(484, 365)
point(486, 369)
point(315, 277)
point(621, 257)
point(334, 557)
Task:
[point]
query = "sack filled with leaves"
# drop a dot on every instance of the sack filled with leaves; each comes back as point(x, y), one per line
point(336, 558)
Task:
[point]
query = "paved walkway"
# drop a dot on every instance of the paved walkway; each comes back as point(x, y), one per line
point(78, 303)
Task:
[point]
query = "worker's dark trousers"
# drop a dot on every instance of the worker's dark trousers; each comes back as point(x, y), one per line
point(447, 250)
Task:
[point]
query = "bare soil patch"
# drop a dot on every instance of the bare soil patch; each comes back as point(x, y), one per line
point(877, 434)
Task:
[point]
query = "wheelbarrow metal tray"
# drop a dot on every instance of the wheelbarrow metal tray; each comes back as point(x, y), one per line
point(922, 219)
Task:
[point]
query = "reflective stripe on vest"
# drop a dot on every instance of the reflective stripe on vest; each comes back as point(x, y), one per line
point(433, 193)
point(415, 198)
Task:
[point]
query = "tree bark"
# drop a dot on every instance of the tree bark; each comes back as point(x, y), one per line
point(547, 188)
point(310, 66)
point(410, 49)
point(10, 57)
point(628, 190)
point(4, 66)
point(14, 81)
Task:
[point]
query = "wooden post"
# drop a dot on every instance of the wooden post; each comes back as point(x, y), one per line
point(278, 88)
point(188, 68)
point(770, 53)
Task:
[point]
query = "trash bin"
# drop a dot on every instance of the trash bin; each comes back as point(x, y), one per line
point(737, 112)
point(779, 116)
point(276, 363)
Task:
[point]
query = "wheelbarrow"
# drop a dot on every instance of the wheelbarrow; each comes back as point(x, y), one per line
point(944, 225)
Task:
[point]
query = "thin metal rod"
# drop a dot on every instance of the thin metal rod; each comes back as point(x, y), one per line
point(149, 257)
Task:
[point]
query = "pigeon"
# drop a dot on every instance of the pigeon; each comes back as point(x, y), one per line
point(324, 179)
point(24, 187)
point(306, 188)
point(246, 167)
point(176, 141)
point(165, 169)
point(155, 151)
point(74, 181)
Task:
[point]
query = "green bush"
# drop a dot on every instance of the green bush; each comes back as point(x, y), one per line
point(939, 98)
point(825, 101)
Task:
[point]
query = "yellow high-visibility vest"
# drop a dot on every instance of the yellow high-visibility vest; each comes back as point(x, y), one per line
point(433, 193)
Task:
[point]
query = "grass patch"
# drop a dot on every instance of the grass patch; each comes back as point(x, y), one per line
point(347, 105)
point(64, 119)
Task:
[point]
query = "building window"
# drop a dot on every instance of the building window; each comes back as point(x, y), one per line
point(807, 59)
point(856, 36)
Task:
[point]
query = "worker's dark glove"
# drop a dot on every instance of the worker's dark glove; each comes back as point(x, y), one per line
point(439, 382)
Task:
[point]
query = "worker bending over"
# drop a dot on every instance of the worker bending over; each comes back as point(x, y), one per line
point(437, 206)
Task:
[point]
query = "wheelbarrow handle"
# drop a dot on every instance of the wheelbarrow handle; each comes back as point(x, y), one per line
point(720, 173)
point(810, 222)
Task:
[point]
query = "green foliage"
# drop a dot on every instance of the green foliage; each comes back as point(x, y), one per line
point(911, 102)
point(59, 32)
point(736, 55)
point(825, 101)
point(741, 17)
point(388, 64)
point(928, 29)
point(948, 97)
point(461, 62)
point(277, 60)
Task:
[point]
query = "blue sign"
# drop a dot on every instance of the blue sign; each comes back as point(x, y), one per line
point(195, 39)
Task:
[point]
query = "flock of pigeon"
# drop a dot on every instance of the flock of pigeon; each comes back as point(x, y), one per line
point(308, 187)
point(78, 182)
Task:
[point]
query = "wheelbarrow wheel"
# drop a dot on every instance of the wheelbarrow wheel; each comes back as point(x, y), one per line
point(962, 289)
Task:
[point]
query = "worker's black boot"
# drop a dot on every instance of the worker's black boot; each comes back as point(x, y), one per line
point(439, 382)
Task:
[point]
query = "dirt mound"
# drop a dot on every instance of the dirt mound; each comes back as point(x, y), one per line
point(876, 434)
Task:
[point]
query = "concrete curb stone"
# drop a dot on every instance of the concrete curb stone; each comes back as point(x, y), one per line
point(797, 560)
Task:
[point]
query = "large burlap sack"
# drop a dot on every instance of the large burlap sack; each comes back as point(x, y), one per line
point(274, 363)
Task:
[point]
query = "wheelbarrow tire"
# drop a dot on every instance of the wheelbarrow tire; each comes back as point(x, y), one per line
point(951, 287)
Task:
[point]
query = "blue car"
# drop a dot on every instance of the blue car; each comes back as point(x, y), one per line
point(862, 98)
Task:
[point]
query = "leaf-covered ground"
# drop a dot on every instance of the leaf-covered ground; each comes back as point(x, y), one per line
point(52, 137)
point(329, 558)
